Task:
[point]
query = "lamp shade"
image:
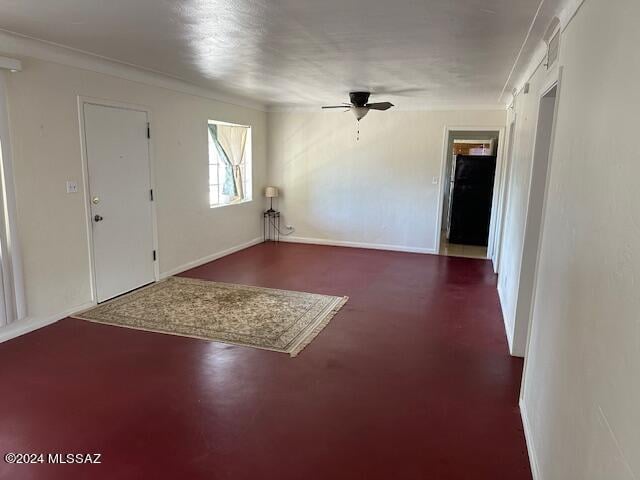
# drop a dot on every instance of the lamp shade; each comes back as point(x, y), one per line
point(271, 192)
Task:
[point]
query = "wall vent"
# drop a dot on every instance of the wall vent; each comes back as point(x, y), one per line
point(553, 48)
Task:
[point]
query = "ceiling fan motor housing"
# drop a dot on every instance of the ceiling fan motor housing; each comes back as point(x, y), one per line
point(359, 99)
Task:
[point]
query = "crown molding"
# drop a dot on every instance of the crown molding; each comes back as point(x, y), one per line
point(568, 11)
point(565, 12)
point(507, 96)
point(535, 61)
point(18, 45)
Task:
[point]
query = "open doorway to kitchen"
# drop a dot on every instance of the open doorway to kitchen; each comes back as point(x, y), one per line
point(468, 192)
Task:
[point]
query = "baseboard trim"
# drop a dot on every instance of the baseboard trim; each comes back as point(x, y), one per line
point(343, 243)
point(27, 325)
point(533, 459)
point(210, 258)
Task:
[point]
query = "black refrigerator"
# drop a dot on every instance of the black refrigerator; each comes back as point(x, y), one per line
point(471, 196)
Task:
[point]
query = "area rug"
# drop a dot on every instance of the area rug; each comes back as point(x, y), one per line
point(279, 320)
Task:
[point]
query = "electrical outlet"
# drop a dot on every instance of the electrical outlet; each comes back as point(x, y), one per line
point(435, 180)
point(289, 227)
point(72, 187)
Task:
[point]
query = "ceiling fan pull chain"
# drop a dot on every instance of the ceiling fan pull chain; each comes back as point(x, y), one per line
point(358, 131)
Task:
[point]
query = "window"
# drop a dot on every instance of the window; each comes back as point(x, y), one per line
point(229, 163)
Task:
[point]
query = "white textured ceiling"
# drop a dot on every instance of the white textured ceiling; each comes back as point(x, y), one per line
point(299, 52)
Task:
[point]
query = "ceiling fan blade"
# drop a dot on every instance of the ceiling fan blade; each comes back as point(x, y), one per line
point(336, 106)
point(379, 105)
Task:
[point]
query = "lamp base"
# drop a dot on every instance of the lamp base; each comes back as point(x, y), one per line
point(271, 210)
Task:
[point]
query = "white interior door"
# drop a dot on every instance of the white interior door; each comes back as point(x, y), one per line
point(120, 194)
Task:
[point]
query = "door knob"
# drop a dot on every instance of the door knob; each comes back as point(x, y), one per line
point(97, 218)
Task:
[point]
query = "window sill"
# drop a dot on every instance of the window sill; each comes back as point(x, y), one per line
point(222, 205)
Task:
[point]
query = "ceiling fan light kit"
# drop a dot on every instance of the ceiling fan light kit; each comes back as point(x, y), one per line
point(359, 112)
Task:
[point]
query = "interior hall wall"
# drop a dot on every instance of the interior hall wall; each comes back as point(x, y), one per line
point(581, 387)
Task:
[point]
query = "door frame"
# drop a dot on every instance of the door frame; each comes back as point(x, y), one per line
point(443, 164)
point(552, 80)
point(507, 173)
point(82, 100)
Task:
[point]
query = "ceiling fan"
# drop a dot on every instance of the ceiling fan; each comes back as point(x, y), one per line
point(359, 105)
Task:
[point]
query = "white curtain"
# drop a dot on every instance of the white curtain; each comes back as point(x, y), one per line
point(12, 301)
point(234, 140)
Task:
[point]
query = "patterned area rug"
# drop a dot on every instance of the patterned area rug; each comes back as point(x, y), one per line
point(278, 320)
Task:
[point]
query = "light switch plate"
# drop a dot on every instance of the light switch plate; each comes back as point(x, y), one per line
point(435, 180)
point(72, 187)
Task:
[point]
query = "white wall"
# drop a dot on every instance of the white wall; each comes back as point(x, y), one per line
point(47, 151)
point(375, 192)
point(581, 388)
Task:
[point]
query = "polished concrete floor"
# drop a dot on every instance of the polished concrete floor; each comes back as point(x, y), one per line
point(411, 380)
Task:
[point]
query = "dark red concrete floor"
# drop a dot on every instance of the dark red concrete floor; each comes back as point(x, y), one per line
point(411, 380)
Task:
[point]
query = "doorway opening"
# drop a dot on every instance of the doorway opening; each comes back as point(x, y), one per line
point(468, 192)
point(534, 218)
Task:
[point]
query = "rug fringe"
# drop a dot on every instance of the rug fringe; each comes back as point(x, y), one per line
point(318, 328)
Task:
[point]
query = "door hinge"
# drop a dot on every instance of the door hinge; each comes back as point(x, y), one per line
point(154, 256)
point(148, 130)
point(151, 194)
